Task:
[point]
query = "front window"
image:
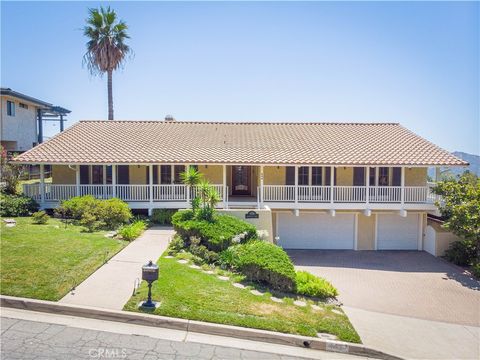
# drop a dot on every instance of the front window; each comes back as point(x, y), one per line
point(10, 108)
point(316, 175)
point(383, 176)
point(179, 169)
point(303, 175)
point(165, 174)
point(97, 174)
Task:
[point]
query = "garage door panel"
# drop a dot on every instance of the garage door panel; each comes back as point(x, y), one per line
point(395, 232)
point(316, 231)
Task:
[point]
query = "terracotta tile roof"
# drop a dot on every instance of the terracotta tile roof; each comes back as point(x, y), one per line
point(238, 143)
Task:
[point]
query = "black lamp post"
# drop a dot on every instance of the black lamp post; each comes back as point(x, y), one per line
point(149, 274)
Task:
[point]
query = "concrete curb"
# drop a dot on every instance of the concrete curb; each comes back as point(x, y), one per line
point(193, 326)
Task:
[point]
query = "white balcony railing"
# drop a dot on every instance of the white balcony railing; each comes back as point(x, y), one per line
point(271, 193)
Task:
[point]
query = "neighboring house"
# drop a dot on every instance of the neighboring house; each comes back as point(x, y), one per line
point(323, 185)
point(21, 120)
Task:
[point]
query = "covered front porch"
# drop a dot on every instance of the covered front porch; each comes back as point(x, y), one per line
point(290, 187)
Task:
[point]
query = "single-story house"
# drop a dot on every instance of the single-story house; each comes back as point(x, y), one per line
point(359, 186)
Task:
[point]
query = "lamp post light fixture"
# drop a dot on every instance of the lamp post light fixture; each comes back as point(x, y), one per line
point(149, 274)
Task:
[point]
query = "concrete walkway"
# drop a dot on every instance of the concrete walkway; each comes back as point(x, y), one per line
point(112, 285)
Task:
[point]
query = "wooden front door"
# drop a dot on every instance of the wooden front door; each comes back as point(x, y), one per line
point(241, 180)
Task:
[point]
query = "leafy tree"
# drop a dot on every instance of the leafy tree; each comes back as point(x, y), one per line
point(106, 47)
point(460, 205)
point(10, 173)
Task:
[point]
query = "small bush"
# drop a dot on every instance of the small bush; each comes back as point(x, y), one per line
point(132, 231)
point(113, 213)
point(40, 217)
point(162, 216)
point(218, 234)
point(475, 269)
point(17, 205)
point(461, 252)
point(262, 262)
point(95, 214)
point(202, 252)
point(310, 285)
point(176, 244)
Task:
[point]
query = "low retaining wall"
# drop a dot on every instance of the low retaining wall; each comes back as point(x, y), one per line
point(263, 223)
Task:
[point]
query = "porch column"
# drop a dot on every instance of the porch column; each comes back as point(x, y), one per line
point(187, 168)
point(295, 195)
point(367, 180)
point(224, 180)
point(150, 188)
point(402, 184)
point(114, 180)
point(261, 185)
point(42, 185)
point(77, 181)
point(105, 191)
point(332, 181)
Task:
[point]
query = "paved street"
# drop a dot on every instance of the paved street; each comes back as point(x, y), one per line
point(111, 286)
point(32, 335)
point(406, 303)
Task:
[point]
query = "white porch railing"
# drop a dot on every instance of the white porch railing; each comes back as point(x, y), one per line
point(349, 194)
point(271, 193)
point(314, 193)
point(279, 193)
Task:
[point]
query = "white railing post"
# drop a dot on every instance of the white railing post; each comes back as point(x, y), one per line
point(402, 184)
point(187, 187)
point(261, 186)
point(150, 188)
point(295, 195)
point(77, 181)
point(114, 180)
point(224, 181)
point(367, 195)
point(332, 181)
point(42, 185)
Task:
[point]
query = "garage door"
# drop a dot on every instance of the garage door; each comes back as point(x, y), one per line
point(316, 231)
point(395, 232)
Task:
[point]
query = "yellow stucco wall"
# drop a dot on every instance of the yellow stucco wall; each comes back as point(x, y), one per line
point(366, 232)
point(137, 174)
point(344, 176)
point(274, 176)
point(415, 176)
point(212, 173)
point(61, 174)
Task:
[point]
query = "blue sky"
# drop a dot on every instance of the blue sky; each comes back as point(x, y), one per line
point(407, 62)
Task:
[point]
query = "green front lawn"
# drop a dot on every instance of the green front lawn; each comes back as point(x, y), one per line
point(45, 261)
point(192, 294)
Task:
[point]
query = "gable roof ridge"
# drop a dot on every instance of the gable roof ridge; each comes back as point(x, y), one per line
point(199, 122)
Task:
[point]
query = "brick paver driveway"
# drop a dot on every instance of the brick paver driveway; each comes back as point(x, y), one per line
point(406, 283)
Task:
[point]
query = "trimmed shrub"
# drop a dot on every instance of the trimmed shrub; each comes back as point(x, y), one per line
point(162, 216)
point(217, 235)
point(95, 214)
point(202, 252)
point(132, 231)
point(262, 262)
point(475, 269)
point(113, 212)
point(310, 285)
point(462, 252)
point(176, 244)
point(17, 205)
point(40, 217)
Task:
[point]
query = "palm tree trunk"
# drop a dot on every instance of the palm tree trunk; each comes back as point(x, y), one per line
point(110, 95)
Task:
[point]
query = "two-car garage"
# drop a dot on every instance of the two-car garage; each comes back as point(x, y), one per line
point(349, 231)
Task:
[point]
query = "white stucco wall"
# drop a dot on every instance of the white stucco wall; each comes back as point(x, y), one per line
point(21, 128)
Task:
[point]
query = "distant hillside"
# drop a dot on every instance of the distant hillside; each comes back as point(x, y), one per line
point(473, 160)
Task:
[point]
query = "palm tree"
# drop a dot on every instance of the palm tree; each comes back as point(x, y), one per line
point(106, 47)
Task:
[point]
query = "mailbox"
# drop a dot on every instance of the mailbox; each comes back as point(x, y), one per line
point(150, 272)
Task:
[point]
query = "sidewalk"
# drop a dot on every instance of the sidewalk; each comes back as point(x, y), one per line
point(111, 286)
